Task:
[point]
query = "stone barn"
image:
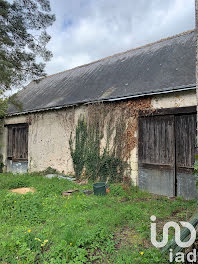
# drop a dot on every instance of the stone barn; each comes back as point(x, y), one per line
point(137, 109)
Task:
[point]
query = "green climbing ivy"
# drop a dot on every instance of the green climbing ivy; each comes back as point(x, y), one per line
point(86, 152)
point(1, 163)
point(77, 148)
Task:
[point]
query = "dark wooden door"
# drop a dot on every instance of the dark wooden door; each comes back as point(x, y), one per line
point(166, 154)
point(17, 149)
point(157, 155)
point(185, 137)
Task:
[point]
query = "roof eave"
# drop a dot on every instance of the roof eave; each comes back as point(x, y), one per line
point(113, 99)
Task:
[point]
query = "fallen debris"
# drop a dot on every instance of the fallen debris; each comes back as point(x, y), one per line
point(50, 176)
point(69, 192)
point(87, 192)
point(123, 200)
point(67, 178)
point(23, 190)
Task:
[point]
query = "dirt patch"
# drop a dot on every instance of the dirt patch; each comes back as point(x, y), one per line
point(130, 237)
point(82, 182)
point(23, 190)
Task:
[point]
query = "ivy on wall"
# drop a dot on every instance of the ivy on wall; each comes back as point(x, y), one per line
point(102, 143)
point(86, 153)
point(78, 149)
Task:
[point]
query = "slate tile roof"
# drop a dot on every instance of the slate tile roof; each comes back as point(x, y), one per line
point(163, 66)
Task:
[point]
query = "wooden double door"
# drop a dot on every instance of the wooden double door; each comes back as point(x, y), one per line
point(167, 144)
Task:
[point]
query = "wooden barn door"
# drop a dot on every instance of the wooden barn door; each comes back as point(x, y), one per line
point(157, 155)
point(185, 137)
point(17, 149)
point(166, 154)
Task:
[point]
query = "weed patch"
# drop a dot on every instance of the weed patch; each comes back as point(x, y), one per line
point(46, 227)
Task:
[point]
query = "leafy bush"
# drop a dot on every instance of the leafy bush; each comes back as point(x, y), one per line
point(49, 170)
point(1, 163)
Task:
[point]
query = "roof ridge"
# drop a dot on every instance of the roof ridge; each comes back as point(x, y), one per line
point(120, 53)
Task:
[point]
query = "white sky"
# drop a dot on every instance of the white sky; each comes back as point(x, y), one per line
point(87, 30)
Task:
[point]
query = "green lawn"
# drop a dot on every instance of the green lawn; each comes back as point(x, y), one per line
point(45, 227)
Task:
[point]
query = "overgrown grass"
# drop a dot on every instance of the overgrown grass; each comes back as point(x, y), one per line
point(45, 227)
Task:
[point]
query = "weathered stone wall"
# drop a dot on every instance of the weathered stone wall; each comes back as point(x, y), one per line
point(180, 99)
point(48, 138)
point(49, 132)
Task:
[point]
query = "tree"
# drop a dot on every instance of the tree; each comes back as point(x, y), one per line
point(23, 40)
